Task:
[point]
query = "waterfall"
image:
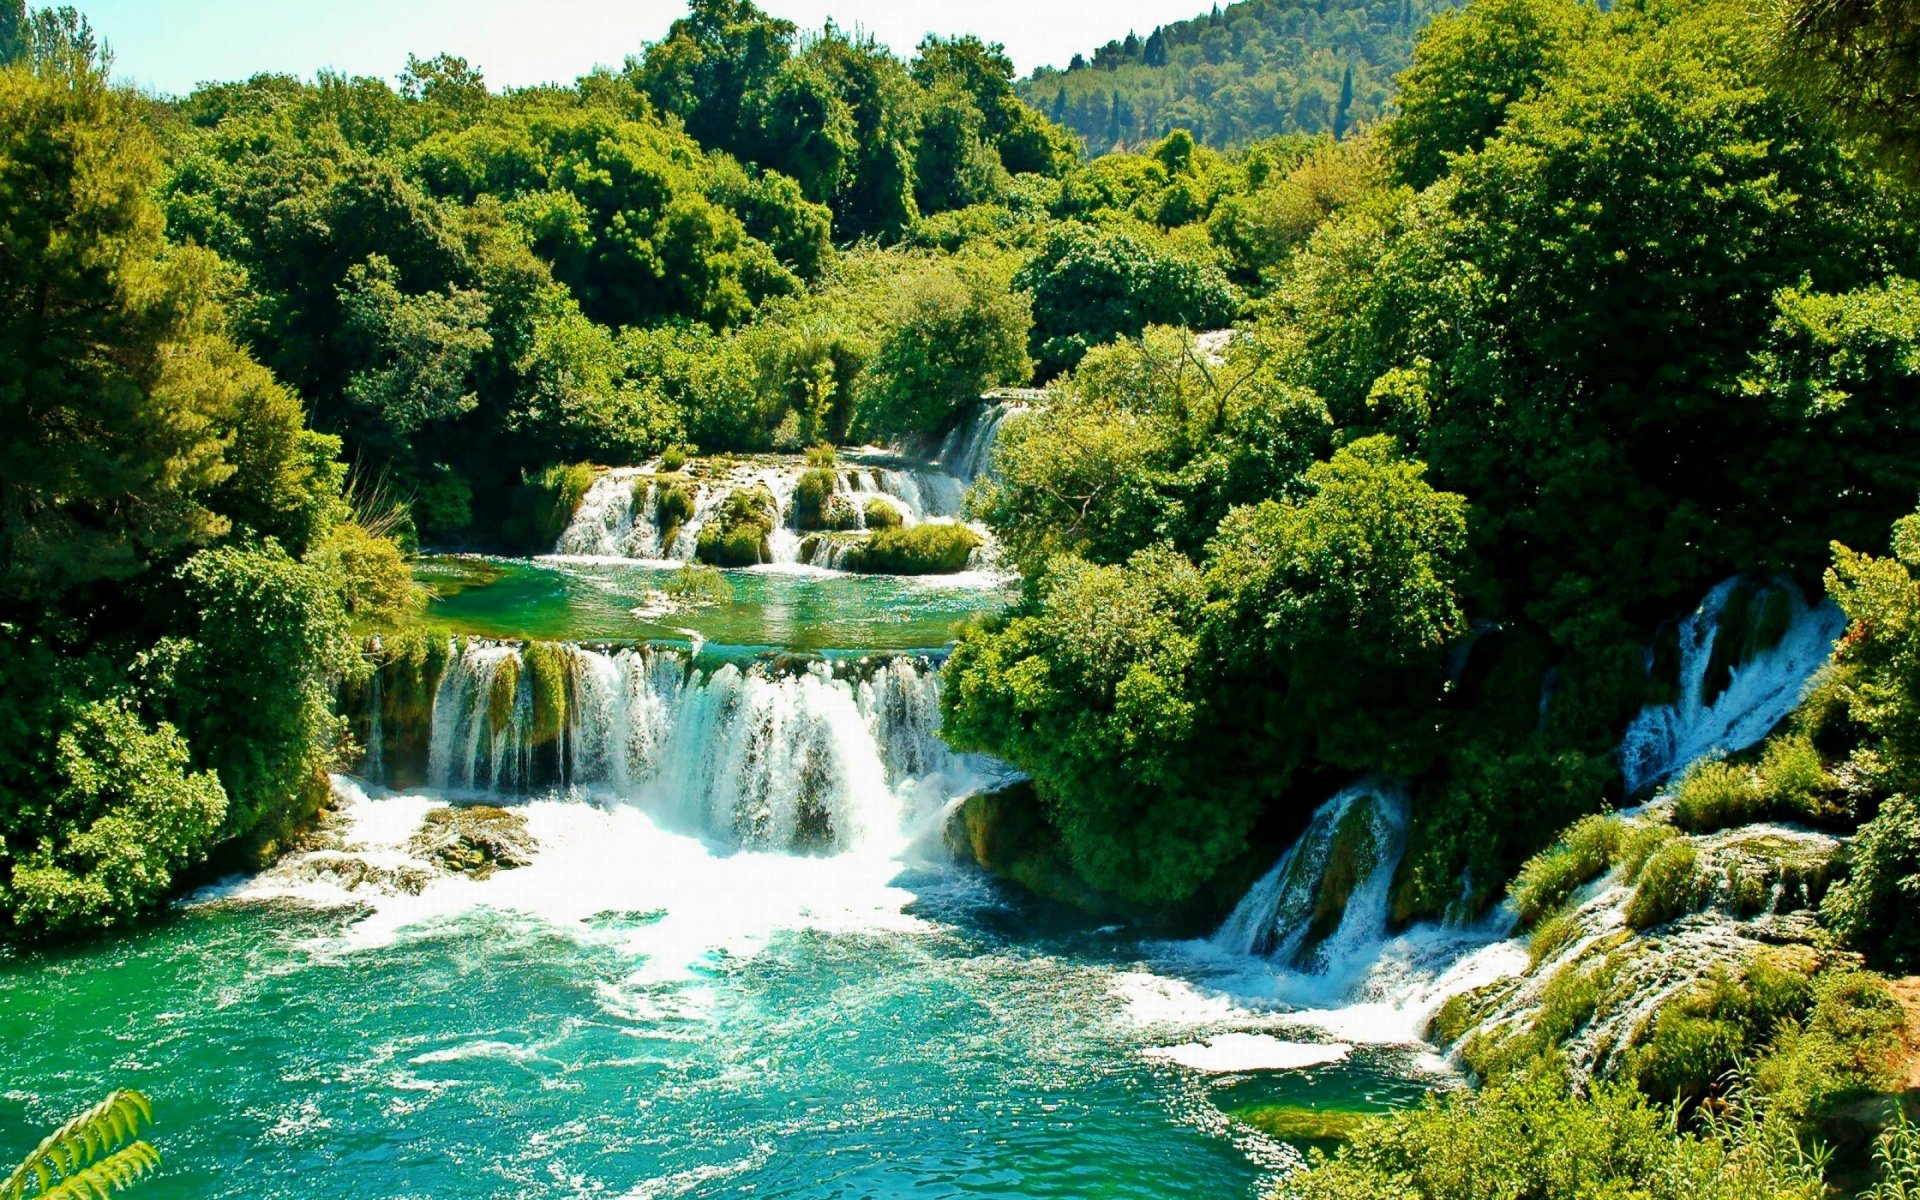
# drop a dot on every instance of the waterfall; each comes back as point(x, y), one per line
point(1729, 700)
point(823, 757)
point(967, 452)
point(1327, 900)
point(375, 763)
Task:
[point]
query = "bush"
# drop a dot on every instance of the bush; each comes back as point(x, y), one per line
point(812, 497)
point(1876, 909)
point(547, 666)
point(821, 457)
point(1583, 853)
point(881, 514)
point(739, 534)
point(939, 549)
point(1667, 886)
point(673, 459)
point(543, 505)
point(131, 815)
point(1717, 795)
point(697, 584)
point(1533, 1136)
point(1848, 1044)
point(1793, 782)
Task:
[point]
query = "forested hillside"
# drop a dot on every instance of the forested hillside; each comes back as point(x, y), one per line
point(1251, 70)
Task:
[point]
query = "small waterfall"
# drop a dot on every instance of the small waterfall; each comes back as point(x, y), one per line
point(1729, 700)
point(967, 452)
point(1327, 901)
point(375, 761)
point(819, 758)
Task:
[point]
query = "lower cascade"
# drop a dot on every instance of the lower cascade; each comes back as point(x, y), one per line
point(809, 758)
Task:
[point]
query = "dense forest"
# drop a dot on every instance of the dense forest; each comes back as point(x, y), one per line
point(1613, 305)
point(1252, 70)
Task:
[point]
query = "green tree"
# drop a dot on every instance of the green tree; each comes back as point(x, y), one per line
point(955, 333)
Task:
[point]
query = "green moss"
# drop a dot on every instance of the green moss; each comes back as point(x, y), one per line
point(1667, 889)
point(1351, 857)
point(739, 534)
point(811, 499)
point(543, 505)
point(1305, 1125)
point(673, 506)
point(1550, 937)
point(546, 665)
point(1007, 833)
point(882, 515)
point(918, 550)
point(504, 690)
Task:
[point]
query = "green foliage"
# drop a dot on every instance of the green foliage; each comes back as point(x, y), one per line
point(97, 1154)
point(544, 505)
point(673, 459)
point(882, 515)
point(954, 333)
point(1247, 71)
point(1877, 907)
point(1716, 795)
point(697, 584)
point(811, 497)
point(1090, 286)
point(738, 534)
point(1584, 853)
point(1468, 67)
point(1897, 1154)
point(1668, 888)
point(1534, 1136)
point(931, 549)
point(129, 813)
point(1855, 60)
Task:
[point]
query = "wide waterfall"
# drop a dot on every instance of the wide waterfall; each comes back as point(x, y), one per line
point(805, 759)
point(1741, 662)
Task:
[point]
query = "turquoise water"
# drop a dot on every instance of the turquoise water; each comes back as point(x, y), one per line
point(796, 609)
point(868, 1031)
point(649, 1010)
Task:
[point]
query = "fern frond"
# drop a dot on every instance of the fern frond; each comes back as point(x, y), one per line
point(114, 1173)
point(107, 1132)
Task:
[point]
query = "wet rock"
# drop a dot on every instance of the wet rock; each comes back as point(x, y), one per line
point(475, 841)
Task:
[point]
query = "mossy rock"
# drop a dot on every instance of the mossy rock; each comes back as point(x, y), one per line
point(740, 534)
point(935, 549)
point(543, 505)
point(1305, 1125)
point(812, 499)
point(1351, 858)
point(548, 668)
point(883, 514)
point(475, 841)
point(1007, 834)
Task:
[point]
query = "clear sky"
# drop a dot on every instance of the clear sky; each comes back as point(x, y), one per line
point(170, 45)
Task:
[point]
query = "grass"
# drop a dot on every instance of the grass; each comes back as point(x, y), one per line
point(1584, 853)
point(1667, 888)
point(918, 550)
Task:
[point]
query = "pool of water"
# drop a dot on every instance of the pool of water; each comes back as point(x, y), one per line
point(640, 1013)
point(785, 608)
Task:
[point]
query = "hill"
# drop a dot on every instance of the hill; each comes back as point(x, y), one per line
point(1248, 71)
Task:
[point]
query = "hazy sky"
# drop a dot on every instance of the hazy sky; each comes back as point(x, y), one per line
point(171, 45)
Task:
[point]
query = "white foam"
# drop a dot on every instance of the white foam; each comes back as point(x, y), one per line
point(1235, 1052)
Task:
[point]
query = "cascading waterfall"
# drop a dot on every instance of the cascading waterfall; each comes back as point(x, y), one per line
point(1758, 692)
point(1326, 900)
point(618, 516)
point(967, 451)
point(806, 760)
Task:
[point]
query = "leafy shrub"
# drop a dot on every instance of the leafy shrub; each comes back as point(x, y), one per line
point(738, 535)
point(1848, 1044)
point(1667, 887)
point(1876, 909)
point(821, 457)
point(1534, 1136)
point(933, 549)
point(1583, 853)
point(697, 584)
point(543, 505)
point(811, 498)
point(881, 514)
point(132, 814)
point(673, 458)
point(1793, 782)
point(1717, 795)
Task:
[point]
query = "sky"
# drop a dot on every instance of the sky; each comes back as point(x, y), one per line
point(170, 45)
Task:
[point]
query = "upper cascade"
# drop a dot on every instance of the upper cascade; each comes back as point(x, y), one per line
point(817, 758)
point(1736, 666)
point(655, 515)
